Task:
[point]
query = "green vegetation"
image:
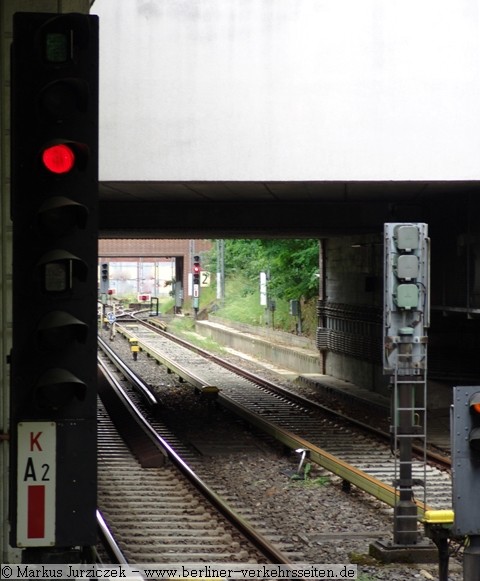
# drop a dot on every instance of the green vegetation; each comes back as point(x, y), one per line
point(167, 304)
point(308, 480)
point(292, 265)
point(185, 327)
point(292, 271)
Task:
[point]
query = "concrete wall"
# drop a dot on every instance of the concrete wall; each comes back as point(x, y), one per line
point(354, 267)
point(272, 347)
point(353, 284)
point(289, 89)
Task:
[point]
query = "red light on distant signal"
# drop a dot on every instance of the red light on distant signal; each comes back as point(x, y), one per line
point(59, 158)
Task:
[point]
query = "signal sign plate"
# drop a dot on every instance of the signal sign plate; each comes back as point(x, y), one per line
point(36, 477)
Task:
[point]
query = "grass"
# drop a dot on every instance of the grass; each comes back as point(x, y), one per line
point(185, 327)
point(242, 304)
point(305, 478)
point(310, 482)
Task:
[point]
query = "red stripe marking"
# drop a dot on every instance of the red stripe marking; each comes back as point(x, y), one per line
point(36, 512)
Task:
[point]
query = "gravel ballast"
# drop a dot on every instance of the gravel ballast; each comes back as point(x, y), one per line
point(314, 516)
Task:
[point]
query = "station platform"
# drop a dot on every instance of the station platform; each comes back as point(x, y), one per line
point(296, 359)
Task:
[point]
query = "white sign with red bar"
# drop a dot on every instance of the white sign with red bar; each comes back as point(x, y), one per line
point(36, 476)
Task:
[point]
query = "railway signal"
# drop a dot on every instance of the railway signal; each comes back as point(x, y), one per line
point(104, 278)
point(405, 321)
point(54, 211)
point(465, 435)
point(465, 440)
point(196, 270)
point(474, 435)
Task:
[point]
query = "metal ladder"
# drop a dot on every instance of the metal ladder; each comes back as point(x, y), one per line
point(410, 424)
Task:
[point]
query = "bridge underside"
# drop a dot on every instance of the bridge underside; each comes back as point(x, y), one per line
point(280, 209)
point(349, 218)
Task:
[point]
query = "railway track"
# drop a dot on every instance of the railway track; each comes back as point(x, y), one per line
point(161, 511)
point(359, 457)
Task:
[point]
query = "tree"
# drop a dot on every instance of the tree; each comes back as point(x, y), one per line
point(291, 264)
point(293, 267)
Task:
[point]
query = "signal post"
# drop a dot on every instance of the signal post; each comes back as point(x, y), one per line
point(405, 321)
point(52, 500)
point(196, 269)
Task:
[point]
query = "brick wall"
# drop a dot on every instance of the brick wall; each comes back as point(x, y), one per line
point(149, 248)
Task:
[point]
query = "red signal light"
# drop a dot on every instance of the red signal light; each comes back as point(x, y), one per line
point(58, 159)
point(196, 265)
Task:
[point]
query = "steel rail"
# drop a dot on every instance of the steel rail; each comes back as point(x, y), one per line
point(257, 539)
point(343, 469)
point(143, 388)
point(183, 372)
point(434, 457)
point(109, 542)
point(346, 471)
